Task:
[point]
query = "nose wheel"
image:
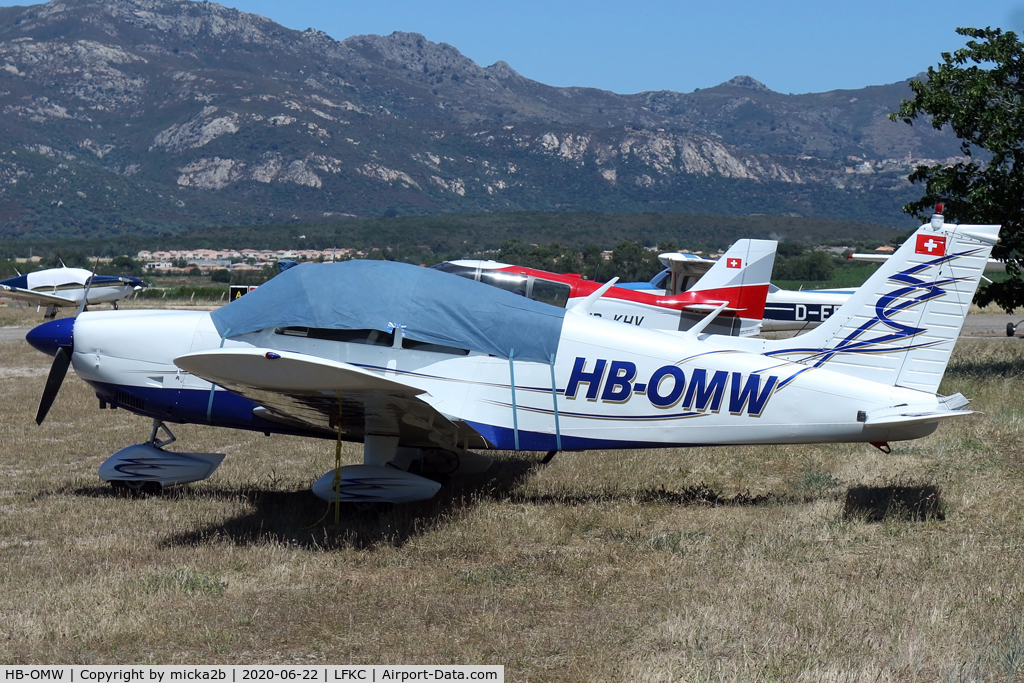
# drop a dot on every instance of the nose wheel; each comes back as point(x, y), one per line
point(146, 469)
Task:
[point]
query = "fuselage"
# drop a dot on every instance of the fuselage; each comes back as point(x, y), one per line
point(71, 283)
point(797, 311)
point(645, 309)
point(614, 386)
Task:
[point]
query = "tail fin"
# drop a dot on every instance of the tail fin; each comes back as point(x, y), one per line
point(740, 277)
point(748, 263)
point(899, 328)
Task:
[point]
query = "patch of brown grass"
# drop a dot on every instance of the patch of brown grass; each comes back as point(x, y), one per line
point(654, 565)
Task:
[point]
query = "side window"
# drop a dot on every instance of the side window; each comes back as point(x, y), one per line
point(435, 348)
point(370, 337)
point(510, 282)
point(548, 292)
point(462, 271)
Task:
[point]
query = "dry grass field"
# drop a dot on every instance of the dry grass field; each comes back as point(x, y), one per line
point(729, 564)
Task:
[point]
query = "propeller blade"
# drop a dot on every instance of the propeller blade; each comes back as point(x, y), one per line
point(88, 286)
point(61, 363)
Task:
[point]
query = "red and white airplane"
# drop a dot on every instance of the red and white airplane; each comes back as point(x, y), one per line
point(737, 284)
point(784, 311)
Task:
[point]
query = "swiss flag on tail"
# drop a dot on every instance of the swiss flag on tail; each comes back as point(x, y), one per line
point(734, 263)
point(933, 245)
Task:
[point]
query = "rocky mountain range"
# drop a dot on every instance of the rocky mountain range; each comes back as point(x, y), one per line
point(165, 115)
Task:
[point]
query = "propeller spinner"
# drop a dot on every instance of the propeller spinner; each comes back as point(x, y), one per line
point(54, 338)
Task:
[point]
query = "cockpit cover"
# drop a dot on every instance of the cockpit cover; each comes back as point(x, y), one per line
point(429, 306)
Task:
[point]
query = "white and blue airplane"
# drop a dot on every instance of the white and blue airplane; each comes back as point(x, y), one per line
point(424, 368)
point(67, 287)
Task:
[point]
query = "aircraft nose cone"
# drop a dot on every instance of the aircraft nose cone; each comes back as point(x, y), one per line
point(52, 335)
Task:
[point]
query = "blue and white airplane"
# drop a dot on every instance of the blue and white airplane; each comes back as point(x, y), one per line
point(57, 287)
point(424, 368)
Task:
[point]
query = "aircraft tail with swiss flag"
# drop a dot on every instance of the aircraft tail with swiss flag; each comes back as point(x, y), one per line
point(900, 327)
point(747, 263)
point(741, 277)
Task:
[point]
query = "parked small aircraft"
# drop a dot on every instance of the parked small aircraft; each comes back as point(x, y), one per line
point(739, 279)
point(784, 310)
point(57, 287)
point(422, 368)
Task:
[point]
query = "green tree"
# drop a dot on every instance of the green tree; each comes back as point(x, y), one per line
point(978, 91)
point(220, 275)
point(632, 263)
point(817, 266)
point(72, 258)
point(791, 248)
point(121, 265)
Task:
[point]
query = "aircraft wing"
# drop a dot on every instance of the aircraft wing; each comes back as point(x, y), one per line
point(305, 391)
point(686, 264)
point(30, 297)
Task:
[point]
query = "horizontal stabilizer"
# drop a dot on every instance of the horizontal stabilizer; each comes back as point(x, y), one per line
point(707, 308)
point(902, 417)
point(954, 402)
point(285, 371)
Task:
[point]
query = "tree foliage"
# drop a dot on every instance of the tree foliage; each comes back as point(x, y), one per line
point(72, 258)
point(978, 91)
point(630, 261)
point(817, 266)
point(554, 257)
point(121, 265)
point(220, 275)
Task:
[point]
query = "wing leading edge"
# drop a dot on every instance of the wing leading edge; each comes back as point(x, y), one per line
point(31, 297)
point(295, 388)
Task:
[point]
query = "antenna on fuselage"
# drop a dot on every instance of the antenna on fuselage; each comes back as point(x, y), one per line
point(583, 307)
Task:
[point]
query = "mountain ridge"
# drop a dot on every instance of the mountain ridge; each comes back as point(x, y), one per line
point(195, 113)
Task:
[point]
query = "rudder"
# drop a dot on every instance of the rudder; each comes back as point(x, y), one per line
point(900, 327)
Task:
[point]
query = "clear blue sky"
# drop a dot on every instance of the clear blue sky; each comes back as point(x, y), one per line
point(792, 46)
